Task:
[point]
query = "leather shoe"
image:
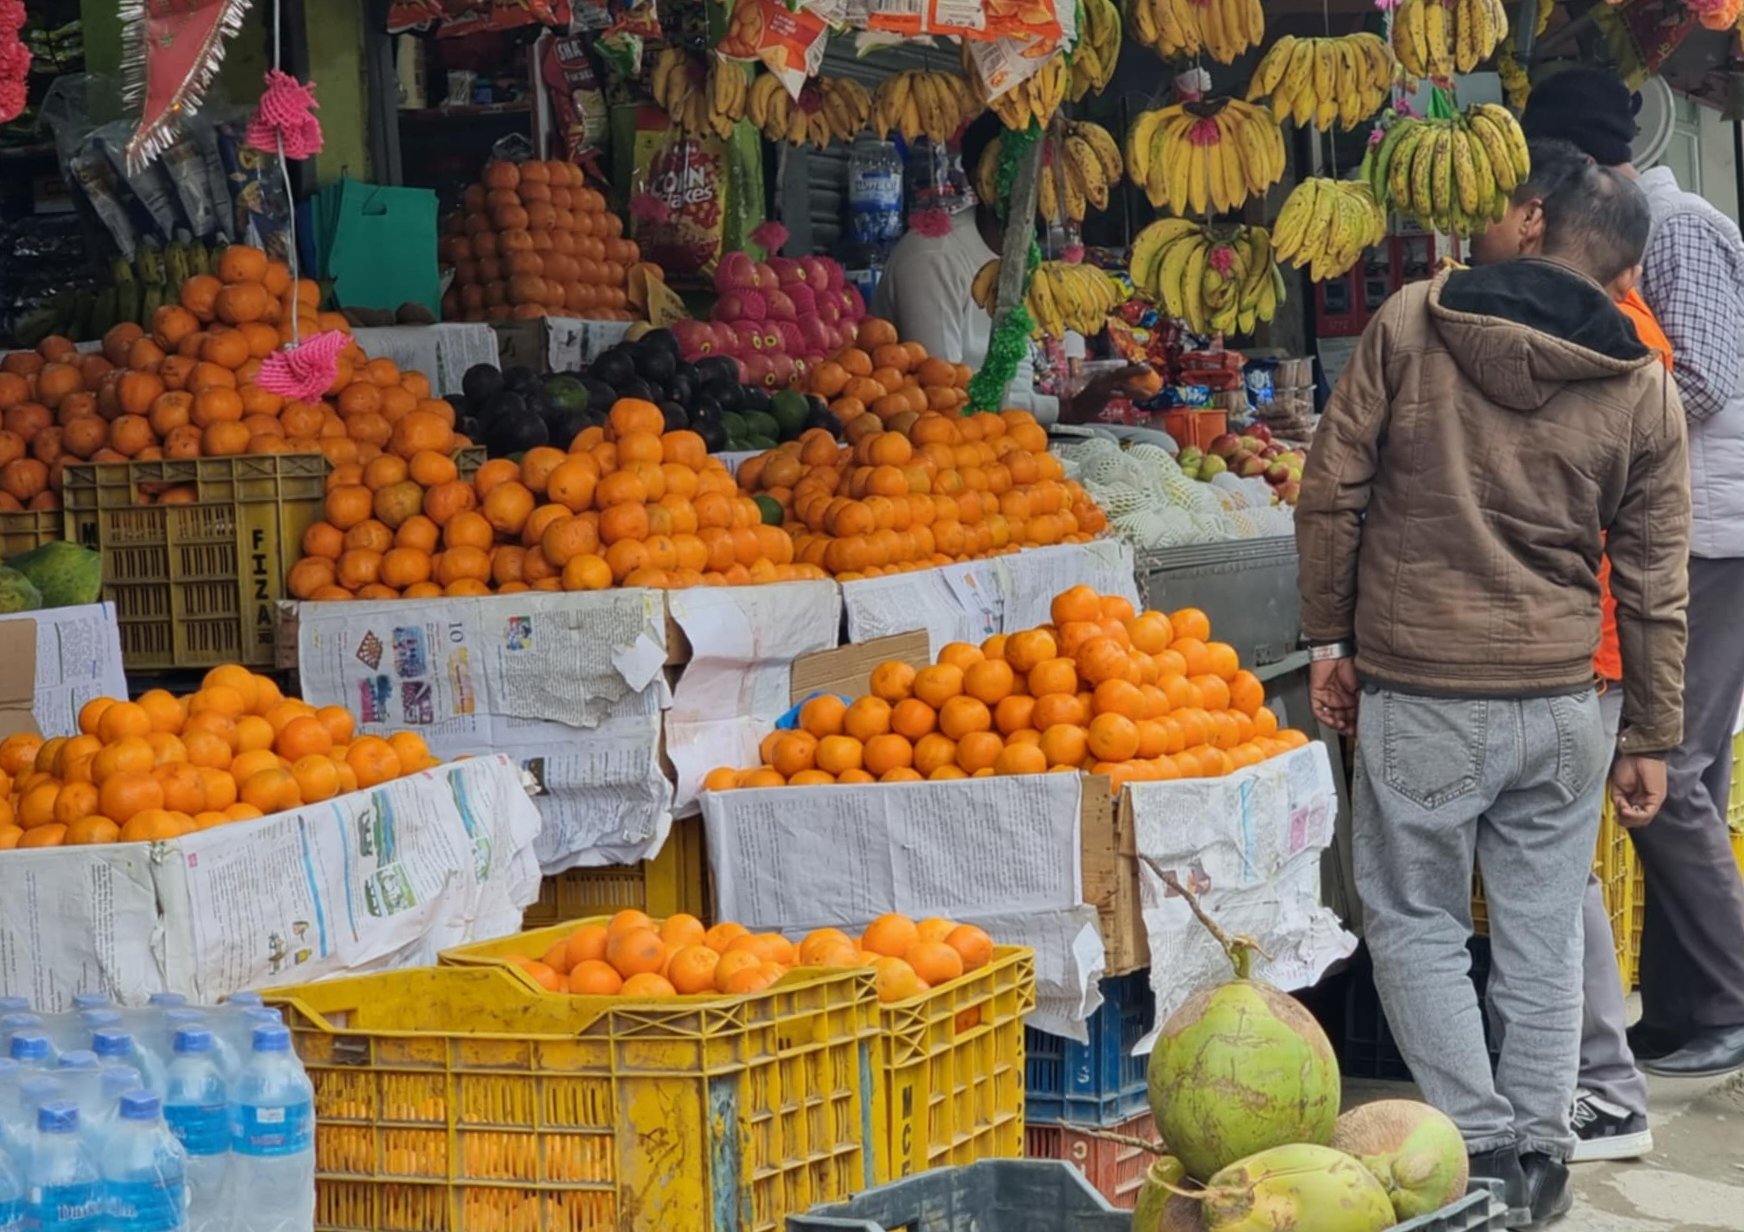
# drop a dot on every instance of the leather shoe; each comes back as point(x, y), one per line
point(1549, 1194)
point(1503, 1166)
point(1709, 1053)
point(1648, 1042)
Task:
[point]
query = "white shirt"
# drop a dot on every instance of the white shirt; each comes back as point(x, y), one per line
point(925, 293)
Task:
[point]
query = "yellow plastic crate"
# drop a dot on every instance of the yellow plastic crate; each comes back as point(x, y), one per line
point(673, 881)
point(1619, 873)
point(31, 528)
point(456, 1099)
point(950, 1068)
point(1735, 797)
point(196, 585)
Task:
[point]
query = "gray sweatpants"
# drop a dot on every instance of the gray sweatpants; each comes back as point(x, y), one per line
point(1514, 785)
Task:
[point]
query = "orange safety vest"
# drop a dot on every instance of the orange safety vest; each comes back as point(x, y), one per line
point(1608, 662)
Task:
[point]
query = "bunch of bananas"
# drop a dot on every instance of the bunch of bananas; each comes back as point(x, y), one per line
point(1194, 156)
point(828, 109)
point(1080, 163)
point(1453, 175)
point(1220, 278)
point(1036, 97)
point(1061, 296)
point(1098, 48)
point(1221, 28)
point(922, 103)
point(1435, 38)
point(702, 97)
point(1321, 80)
point(1326, 224)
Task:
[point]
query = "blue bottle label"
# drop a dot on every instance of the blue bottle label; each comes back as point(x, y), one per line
point(12, 1215)
point(201, 1129)
point(288, 1130)
point(66, 1208)
point(148, 1206)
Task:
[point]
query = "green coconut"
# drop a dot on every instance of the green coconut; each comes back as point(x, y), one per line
point(1296, 1188)
point(1149, 1213)
point(1413, 1150)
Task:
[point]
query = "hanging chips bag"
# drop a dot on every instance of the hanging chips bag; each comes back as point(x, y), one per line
point(788, 43)
point(578, 105)
point(968, 19)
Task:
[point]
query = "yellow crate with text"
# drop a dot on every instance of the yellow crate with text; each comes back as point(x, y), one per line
point(1620, 874)
point(1735, 797)
point(464, 1099)
point(950, 1069)
point(675, 880)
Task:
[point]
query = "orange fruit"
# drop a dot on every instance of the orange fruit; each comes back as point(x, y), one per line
point(936, 962)
point(124, 719)
point(897, 981)
point(823, 715)
point(973, 944)
point(691, 969)
point(866, 718)
point(594, 978)
point(890, 935)
point(586, 943)
point(892, 680)
point(635, 951)
point(648, 984)
point(681, 929)
point(937, 684)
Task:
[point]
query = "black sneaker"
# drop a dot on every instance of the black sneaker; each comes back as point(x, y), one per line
point(1502, 1165)
point(1549, 1194)
point(1604, 1130)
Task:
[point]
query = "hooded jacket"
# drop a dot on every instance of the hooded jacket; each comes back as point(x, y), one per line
point(1491, 425)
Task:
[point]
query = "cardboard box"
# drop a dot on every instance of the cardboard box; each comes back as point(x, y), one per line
point(17, 676)
point(844, 669)
point(554, 344)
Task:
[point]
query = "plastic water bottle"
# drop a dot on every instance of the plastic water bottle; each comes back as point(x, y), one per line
point(146, 1022)
point(11, 1107)
point(116, 1047)
point(117, 1080)
point(63, 1191)
point(145, 1170)
point(181, 1020)
point(81, 1076)
point(32, 1051)
point(14, 1005)
point(11, 1196)
point(19, 1023)
point(272, 1168)
point(197, 1107)
point(33, 1090)
point(232, 1023)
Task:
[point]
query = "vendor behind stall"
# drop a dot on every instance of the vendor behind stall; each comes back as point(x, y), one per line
point(924, 292)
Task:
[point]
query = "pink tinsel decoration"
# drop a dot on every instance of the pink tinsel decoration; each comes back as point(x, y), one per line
point(930, 223)
point(14, 61)
point(304, 372)
point(286, 114)
point(1072, 254)
point(769, 236)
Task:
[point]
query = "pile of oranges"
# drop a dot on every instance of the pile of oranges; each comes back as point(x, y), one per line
point(165, 766)
point(186, 389)
point(920, 490)
point(629, 504)
point(531, 240)
point(1136, 696)
point(634, 956)
point(888, 377)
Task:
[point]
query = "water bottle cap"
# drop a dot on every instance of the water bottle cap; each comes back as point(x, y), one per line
point(91, 1001)
point(112, 1044)
point(266, 1016)
point(58, 1117)
point(186, 1015)
point(140, 1106)
point(80, 1058)
point(14, 1005)
point(118, 1079)
point(29, 1047)
point(167, 1000)
point(20, 1021)
point(97, 1019)
point(272, 1039)
point(246, 999)
point(193, 1040)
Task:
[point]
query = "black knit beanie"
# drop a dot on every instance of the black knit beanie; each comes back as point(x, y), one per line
point(1589, 108)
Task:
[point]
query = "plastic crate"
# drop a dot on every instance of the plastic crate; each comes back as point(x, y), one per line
point(1735, 794)
point(196, 585)
point(1367, 1048)
point(1099, 1083)
point(1032, 1195)
point(1619, 872)
point(20, 532)
point(454, 1100)
point(1116, 1170)
point(1196, 428)
point(675, 880)
point(949, 1069)
point(1738, 851)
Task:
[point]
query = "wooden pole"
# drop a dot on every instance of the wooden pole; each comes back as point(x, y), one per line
point(1019, 232)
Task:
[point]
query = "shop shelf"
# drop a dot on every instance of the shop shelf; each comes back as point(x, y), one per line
point(196, 585)
point(675, 880)
point(452, 1099)
point(20, 532)
point(1116, 1170)
point(1101, 1082)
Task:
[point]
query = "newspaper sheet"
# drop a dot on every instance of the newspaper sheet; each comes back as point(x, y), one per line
point(373, 879)
point(78, 657)
point(743, 641)
point(1000, 852)
point(1248, 845)
point(1034, 576)
point(570, 685)
point(571, 342)
point(442, 352)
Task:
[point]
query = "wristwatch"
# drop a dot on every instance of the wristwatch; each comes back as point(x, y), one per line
point(1325, 652)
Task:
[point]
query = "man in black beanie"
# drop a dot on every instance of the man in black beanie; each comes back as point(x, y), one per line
point(1692, 943)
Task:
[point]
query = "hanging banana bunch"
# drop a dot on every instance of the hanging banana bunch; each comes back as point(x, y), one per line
point(1435, 39)
point(1452, 175)
point(1098, 48)
point(700, 96)
point(1191, 157)
point(1326, 225)
point(1222, 29)
point(1080, 164)
point(1036, 97)
point(1061, 296)
point(922, 103)
point(1321, 81)
point(827, 109)
point(1214, 278)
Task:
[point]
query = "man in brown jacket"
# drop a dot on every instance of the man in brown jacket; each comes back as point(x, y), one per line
point(1491, 424)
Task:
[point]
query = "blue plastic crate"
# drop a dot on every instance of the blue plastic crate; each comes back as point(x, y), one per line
point(1099, 1083)
point(1368, 1049)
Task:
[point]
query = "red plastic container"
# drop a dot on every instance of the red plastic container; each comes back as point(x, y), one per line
point(1190, 427)
point(1114, 1170)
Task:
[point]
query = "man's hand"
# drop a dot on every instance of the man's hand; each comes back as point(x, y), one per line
point(1333, 690)
point(1637, 789)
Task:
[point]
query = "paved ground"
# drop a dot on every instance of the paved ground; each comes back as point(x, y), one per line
point(1692, 1182)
